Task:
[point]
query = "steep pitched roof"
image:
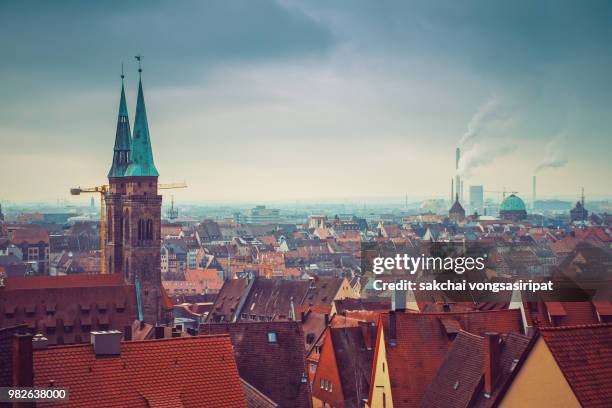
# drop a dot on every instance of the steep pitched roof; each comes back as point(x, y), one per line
point(354, 356)
point(277, 369)
point(322, 290)
point(256, 399)
point(418, 344)
point(459, 379)
point(122, 139)
point(29, 234)
point(80, 303)
point(141, 153)
point(226, 302)
point(584, 355)
point(186, 372)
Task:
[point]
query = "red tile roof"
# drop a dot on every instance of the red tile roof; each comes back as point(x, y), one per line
point(208, 277)
point(66, 281)
point(30, 235)
point(422, 343)
point(179, 372)
point(79, 303)
point(584, 355)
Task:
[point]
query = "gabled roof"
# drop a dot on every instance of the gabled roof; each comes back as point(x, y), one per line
point(459, 380)
point(584, 355)
point(187, 371)
point(29, 234)
point(228, 299)
point(354, 355)
point(277, 369)
point(422, 341)
point(323, 290)
point(256, 399)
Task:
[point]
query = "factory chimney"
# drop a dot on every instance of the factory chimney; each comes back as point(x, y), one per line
point(457, 177)
point(534, 192)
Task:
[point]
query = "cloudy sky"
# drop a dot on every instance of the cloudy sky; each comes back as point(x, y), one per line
point(292, 100)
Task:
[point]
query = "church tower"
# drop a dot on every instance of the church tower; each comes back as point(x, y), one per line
point(134, 211)
point(142, 217)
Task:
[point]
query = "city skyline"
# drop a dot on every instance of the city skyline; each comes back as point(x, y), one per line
point(346, 104)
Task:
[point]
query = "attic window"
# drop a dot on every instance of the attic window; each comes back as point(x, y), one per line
point(272, 337)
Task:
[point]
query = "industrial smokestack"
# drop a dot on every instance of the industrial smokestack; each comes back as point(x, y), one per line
point(534, 192)
point(457, 177)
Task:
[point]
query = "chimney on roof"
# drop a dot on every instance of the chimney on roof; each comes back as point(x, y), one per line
point(106, 343)
point(160, 332)
point(398, 300)
point(326, 319)
point(127, 332)
point(40, 342)
point(368, 333)
point(23, 370)
point(491, 354)
point(392, 329)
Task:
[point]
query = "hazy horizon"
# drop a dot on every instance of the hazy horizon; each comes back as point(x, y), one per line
point(278, 101)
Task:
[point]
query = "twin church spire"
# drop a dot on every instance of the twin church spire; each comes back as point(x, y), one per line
point(132, 154)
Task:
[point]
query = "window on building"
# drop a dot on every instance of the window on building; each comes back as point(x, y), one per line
point(272, 337)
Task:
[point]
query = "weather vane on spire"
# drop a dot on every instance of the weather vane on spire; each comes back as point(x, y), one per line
point(139, 59)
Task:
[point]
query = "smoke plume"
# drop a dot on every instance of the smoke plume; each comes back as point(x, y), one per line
point(479, 155)
point(486, 111)
point(554, 157)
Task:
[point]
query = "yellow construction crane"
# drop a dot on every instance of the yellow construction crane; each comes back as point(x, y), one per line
point(102, 190)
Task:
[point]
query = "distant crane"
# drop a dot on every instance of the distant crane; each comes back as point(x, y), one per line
point(102, 190)
point(503, 193)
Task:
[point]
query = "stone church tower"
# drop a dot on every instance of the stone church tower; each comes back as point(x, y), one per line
point(134, 211)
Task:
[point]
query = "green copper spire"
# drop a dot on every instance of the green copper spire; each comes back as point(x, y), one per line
point(141, 154)
point(121, 152)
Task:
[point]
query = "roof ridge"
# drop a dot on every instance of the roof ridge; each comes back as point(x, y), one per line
point(575, 326)
point(128, 342)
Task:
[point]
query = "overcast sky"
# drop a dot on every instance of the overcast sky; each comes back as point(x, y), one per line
point(291, 100)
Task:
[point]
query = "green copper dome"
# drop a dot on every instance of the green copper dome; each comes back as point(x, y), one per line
point(512, 203)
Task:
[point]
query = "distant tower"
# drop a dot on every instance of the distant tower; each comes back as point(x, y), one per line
point(477, 199)
point(92, 203)
point(579, 212)
point(172, 213)
point(452, 190)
